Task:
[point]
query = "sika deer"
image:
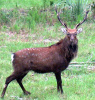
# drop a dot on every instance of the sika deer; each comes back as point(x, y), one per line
point(54, 58)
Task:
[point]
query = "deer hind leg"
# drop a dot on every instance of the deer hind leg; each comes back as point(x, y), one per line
point(59, 82)
point(19, 80)
point(8, 80)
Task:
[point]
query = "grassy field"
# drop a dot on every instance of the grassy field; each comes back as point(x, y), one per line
point(78, 82)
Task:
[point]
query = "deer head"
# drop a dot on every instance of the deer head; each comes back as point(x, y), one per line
point(71, 33)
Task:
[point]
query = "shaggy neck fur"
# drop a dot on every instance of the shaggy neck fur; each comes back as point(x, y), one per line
point(68, 49)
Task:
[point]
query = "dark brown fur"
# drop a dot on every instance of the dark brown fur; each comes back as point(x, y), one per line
point(55, 58)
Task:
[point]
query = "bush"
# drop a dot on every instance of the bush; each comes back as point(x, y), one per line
point(72, 10)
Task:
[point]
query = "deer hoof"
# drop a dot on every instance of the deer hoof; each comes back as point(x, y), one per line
point(27, 93)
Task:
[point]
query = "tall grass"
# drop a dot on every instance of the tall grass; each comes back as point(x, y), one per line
point(73, 11)
point(25, 17)
point(19, 19)
point(93, 9)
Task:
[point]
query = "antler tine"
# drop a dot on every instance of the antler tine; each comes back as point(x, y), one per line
point(58, 16)
point(83, 20)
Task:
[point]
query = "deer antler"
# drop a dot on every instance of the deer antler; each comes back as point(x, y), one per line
point(58, 16)
point(85, 18)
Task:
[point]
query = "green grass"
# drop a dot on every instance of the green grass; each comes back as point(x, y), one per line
point(78, 82)
point(20, 3)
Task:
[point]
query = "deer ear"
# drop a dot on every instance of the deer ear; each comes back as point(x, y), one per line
point(64, 30)
point(79, 30)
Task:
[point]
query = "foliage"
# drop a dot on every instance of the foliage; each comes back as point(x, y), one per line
point(20, 18)
point(93, 9)
point(3, 17)
point(72, 10)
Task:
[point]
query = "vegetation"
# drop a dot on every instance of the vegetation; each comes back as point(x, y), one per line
point(93, 9)
point(33, 23)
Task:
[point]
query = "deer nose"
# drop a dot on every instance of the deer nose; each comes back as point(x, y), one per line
point(72, 38)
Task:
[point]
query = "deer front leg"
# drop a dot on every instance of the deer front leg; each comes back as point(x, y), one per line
point(59, 82)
